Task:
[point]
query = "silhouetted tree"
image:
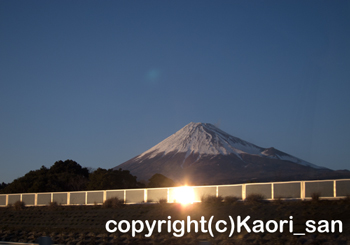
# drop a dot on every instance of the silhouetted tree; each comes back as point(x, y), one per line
point(103, 179)
point(159, 180)
point(2, 185)
point(62, 176)
point(70, 176)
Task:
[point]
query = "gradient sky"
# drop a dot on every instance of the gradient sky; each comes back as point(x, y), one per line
point(99, 82)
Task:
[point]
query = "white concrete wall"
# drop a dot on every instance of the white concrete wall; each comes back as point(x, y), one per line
point(329, 189)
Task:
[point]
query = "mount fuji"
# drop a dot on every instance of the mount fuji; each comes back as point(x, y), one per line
point(201, 153)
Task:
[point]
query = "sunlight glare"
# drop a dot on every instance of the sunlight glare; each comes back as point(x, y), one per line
point(184, 195)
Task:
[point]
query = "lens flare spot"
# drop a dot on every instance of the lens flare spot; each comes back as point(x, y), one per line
point(184, 195)
point(153, 76)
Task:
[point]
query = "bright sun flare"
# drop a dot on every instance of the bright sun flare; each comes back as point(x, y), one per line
point(184, 195)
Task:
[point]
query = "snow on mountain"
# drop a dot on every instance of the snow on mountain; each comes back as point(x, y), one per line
point(202, 154)
point(206, 139)
point(276, 154)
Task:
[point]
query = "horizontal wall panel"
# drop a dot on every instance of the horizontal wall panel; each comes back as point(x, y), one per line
point(44, 198)
point(77, 198)
point(200, 192)
point(14, 198)
point(60, 198)
point(287, 190)
point(172, 194)
point(28, 199)
point(134, 196)
point(343, 188)
point(324, 188)
point(262, 189)
point(95, 197)
point(234, 191)
point(113, 194)
point(154, 195)
point(2, 200)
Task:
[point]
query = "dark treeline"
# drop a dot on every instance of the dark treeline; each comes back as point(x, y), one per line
point(70, 176)
point(2, 186)
point(159, 180)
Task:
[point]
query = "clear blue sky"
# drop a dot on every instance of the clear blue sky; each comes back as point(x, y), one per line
point(99, 82)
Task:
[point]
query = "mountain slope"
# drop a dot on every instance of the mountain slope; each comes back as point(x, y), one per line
point(201, 153)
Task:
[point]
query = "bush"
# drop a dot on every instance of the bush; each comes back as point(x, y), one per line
point(113, 202)
point(19, 205)
point(277, 200)
point(346, 199)
point(254, 198)
point(162, 200)
point(315, 197)
point(53, 205)
point(212, 199)
point(231, 199)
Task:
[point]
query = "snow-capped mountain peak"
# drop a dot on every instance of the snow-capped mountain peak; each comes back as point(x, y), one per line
point(203, 153)
point(203, 139)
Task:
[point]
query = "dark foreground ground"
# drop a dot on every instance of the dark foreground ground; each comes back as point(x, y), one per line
point(86, 224)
